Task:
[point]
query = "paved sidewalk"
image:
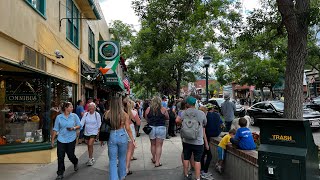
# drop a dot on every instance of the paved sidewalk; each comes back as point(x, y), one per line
point(142, 168)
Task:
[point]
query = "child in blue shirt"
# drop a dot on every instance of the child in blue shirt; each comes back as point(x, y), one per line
point(243, 138)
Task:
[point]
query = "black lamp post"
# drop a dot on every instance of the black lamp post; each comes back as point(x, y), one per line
point(207, 60)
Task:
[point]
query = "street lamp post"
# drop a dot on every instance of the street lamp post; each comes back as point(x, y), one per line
point(207, 60)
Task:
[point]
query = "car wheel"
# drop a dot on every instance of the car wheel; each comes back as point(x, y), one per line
point(252, 121)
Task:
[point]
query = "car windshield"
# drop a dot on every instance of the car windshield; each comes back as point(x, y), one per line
point(278, 105)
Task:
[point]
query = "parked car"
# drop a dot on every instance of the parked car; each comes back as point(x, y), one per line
point(240, 110)
point(274, 109)
point(312, 105)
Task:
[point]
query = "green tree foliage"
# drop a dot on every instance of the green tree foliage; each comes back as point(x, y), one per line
point(174, 35)
point(271, 43)
point(123, 33)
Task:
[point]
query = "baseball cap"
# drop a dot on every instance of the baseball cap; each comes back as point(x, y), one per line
point(209, 106)
point(191, 100)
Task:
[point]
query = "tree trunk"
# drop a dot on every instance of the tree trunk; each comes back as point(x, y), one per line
point(179, 79)
point(295, 18)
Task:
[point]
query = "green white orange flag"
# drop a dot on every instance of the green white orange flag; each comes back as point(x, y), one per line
point(111, 67)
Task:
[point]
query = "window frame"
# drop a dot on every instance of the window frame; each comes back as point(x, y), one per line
point(91, 45)
point(73, 25)
point(42, 9)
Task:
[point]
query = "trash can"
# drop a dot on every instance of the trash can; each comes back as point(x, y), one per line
point(287, 150)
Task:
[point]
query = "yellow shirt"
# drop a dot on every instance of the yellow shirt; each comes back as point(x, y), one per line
point(224, 141)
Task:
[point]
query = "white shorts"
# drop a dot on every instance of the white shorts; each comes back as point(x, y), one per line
point(133, 130)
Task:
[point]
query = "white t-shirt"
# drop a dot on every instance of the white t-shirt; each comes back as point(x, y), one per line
point(92, 123)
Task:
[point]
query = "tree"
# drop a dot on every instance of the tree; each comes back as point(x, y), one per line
point(281, 38)
point(175, 34)
point(295, 17)
point(123, 33)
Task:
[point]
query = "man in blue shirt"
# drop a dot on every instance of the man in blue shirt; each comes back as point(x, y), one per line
point(243, 138)
point(164, 102)
point(80, 112)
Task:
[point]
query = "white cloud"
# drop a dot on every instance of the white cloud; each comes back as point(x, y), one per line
point(119, 10)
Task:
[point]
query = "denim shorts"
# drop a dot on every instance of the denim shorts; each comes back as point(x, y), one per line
point(221, 153)
point(158, 132)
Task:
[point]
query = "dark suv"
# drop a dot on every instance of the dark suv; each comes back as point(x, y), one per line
point(274, 109)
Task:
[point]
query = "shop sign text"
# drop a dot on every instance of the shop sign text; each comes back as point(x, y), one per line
point(23, 98)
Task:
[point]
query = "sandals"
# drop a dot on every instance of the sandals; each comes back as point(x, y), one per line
point(158, 165)
point(129, 173)
point(133, 159)
point(153, 161)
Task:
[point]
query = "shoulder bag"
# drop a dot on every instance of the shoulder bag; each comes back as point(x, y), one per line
point(105, 130)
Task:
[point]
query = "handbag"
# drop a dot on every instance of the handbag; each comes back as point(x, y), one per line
point(105, 130)
point(147, 129)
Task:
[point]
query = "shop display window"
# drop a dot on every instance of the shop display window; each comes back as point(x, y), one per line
point(28, 107)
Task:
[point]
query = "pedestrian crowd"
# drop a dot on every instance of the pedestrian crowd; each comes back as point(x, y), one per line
point(117, 123)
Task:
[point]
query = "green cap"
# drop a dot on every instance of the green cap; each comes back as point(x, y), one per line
point(191, 100)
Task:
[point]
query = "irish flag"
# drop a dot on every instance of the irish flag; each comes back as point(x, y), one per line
point(111, 67)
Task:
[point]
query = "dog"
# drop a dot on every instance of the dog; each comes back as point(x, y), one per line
point(235, 122)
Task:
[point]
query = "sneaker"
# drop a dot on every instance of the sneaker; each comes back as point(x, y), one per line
point(219, 169)
point(75, 167)
point(187, 177)
point(209, 178)
point(90, 162)
point(204, 175)
point(59, 177)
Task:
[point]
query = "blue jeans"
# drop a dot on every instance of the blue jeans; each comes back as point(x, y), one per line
point(117, 149)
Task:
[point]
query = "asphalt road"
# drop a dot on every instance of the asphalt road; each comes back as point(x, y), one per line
point(316, 134)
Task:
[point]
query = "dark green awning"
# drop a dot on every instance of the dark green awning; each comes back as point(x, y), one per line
point(114, 81)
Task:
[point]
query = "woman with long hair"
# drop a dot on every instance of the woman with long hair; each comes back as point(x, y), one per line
point(134, 120)
point(118, 142)
point(156, 116)
point(66, 125)
point(92, 122)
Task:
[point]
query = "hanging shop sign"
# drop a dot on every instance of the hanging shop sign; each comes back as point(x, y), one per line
point(108, 50)
point(22, 98)
point(111, 79)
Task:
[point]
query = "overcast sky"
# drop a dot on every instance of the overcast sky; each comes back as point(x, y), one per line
point(122, 10)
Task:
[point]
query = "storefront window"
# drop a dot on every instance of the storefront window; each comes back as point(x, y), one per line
point(22, 104)
point(28, 107)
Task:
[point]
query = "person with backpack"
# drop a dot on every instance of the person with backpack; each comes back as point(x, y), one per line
point(172, 119)
point(118, 140)
point(192, 133)
point(91, 120)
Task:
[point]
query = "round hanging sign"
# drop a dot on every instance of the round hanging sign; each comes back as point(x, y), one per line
point(108, 50)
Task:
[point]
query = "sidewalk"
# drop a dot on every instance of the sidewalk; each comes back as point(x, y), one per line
point(142, 168)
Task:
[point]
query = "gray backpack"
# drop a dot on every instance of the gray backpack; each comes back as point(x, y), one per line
point(190, 128)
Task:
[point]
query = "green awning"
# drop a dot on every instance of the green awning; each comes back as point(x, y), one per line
point(113, 81)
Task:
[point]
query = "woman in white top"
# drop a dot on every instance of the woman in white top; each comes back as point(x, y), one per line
point(92, 122)
point(134, 119)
